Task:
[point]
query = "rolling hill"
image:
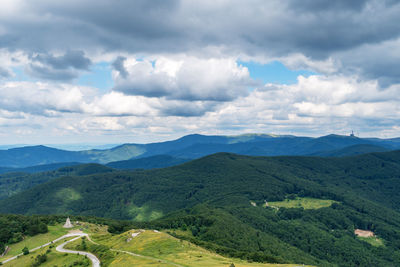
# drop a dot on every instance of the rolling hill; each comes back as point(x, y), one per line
point(221, 202)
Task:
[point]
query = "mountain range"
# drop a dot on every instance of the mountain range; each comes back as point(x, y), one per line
point(262, 198)
point(196, 146)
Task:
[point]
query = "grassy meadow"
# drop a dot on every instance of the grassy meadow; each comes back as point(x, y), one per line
point(54, 258)
point(372, 240)
point(161, 249)
point(35, 241)
point(302, 202)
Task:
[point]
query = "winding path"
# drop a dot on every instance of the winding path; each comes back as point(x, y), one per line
point(93, 258)
point(60, 248)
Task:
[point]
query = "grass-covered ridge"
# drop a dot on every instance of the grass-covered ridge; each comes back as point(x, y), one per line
point(153, 247)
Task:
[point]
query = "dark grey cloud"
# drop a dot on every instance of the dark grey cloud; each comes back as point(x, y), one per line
point(112, 26)
point(379, 61)
point(118, 65)
point(310, 26)
point(317, 29)
point(71, 59)
point(65, 67)
point(311, 6)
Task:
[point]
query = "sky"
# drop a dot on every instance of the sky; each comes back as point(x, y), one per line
point(103, 71)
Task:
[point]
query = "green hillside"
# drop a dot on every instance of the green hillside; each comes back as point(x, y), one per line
point(156, 247)
point(218, 202)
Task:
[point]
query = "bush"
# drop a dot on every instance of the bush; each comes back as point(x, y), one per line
point(39, 260)
point(25, 251)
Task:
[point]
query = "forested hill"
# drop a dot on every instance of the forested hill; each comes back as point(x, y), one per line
point(373, 176)
point(313, 205)
point(15, 182)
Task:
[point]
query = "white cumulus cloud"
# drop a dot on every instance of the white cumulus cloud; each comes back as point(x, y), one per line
point(184, 78)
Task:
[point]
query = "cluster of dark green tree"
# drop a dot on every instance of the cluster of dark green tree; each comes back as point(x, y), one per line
point(41, 258)
point(210, 197)
point(13, 228)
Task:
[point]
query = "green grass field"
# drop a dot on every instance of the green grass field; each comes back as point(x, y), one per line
point(167, 249)
point(125, 260)
point(373, 241)
point(156, 248)
point(302, 202)
point(54, 258)
point(37, 240)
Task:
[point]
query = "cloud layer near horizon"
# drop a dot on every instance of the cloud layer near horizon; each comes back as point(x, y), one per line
point(176, 67)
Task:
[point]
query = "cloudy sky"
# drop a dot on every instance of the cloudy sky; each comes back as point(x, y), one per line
point(103, 71)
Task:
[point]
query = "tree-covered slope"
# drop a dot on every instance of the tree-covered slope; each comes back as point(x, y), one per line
point(221, 176)
point(15, 182)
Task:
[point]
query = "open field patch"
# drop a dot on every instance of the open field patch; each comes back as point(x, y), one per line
point(301, 202)
point(372, 240)
point(369, 237)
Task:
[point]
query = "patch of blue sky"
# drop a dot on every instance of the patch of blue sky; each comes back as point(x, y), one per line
point(20, 75)
point(99, 76)
point(274, 72)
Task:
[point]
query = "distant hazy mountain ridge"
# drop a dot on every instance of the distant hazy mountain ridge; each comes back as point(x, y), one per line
point(196, 146)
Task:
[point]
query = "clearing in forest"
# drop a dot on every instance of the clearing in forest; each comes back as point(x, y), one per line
point(369, 237)
point(301, 202)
